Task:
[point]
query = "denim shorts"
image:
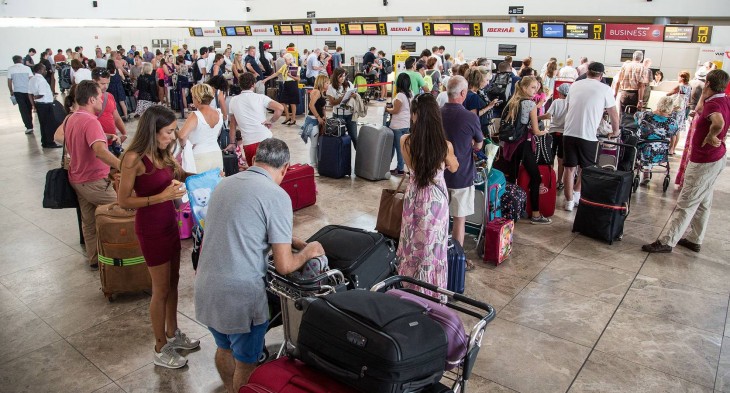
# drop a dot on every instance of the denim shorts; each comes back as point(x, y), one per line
point(246, 347)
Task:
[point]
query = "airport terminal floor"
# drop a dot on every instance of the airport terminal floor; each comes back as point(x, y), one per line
point(573, 314)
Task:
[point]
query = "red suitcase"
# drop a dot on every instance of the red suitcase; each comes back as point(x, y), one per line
point(286, 375)
point(497, 235)
point(299, 184)
point(548, 189)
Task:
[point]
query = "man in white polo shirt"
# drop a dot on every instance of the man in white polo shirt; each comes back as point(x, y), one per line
point(42, 96)
point(247, 113)
point(18, 79)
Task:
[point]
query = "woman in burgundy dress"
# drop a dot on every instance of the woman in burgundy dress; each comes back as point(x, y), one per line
point(149, 169)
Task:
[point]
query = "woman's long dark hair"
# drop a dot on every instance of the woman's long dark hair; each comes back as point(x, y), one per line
point(111, 67)
point(427, 140)
point(403, 85)
point(335, 79)
point(144, 142)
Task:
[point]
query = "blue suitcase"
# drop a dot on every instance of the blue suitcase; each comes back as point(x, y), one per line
point(334, 156)
point(456, 259)
point(303, 101)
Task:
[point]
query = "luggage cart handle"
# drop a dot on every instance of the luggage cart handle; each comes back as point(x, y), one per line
point(310, 284)
point(391, 281)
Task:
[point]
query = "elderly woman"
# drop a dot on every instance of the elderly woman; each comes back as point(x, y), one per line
point(202, 130)
point(656, 125)
point(147, 88)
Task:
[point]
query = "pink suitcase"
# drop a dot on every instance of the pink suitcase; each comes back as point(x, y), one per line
point(497, 237)
point(285, 375)
point(185, 221)
point(448, 319)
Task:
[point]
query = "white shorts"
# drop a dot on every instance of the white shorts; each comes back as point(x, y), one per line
point(461, 201)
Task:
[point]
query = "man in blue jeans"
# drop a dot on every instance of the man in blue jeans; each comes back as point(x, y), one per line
point(248, 214)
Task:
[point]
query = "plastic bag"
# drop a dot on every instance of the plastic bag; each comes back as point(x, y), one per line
point(200, 189)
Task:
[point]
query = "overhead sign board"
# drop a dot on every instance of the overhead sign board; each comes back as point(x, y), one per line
point(702, 34)
point(261, 29)
point(584, 31)
point(553, 30)
point(363, 29)
point(452, 29)
point(678, 33)
point(405, 29)
point(516, 10)
point(326, 29)
point(634, 32)
point(504, 30)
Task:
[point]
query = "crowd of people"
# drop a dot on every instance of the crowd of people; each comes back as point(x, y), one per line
point(443, 112)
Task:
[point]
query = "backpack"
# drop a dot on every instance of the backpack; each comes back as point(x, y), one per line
point(197, 74)
point(429, 82)
point(387, 65)
point(511, 130)
point(498, 87)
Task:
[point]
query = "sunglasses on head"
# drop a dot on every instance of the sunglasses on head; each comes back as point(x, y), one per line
point(100, 73)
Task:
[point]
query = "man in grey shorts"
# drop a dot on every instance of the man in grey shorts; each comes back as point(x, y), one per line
point(248, 215)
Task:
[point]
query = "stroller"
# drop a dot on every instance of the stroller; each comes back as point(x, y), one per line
point(367, 93)
point(64, 77)
point(654, 135)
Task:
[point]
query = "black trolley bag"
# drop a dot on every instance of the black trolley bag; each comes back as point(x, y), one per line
point(605, 200)
point(364, 257)
point(372, 341)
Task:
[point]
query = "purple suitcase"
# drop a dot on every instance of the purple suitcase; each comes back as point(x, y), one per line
point(449, 321)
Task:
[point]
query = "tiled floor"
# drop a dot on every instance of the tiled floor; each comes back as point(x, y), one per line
point(574, 314)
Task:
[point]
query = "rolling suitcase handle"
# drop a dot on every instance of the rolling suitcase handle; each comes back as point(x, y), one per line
point(619, 145)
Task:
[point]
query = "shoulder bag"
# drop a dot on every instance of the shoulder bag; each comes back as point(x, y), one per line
point(58, 193)
point(390, 212)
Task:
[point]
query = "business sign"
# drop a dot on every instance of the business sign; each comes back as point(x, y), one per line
point(326, 29)
point(504, 30)
point(633, 32)
point(553, 30)
point(262, 29)
point(507, 50)
point(305, 29)
point(455, 29)
point(702, 35)
point(363, 29)
point(405, 29)
point(678, 33)
point(516, 10)
point(211, 32)
point(584, 31)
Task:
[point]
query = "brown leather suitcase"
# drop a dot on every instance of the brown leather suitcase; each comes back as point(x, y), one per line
point(121, 265)
point(273, 93)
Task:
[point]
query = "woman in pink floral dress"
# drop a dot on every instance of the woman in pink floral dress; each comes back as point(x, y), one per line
point(425, 225)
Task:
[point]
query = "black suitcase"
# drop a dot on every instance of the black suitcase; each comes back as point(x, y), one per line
point(334, 156)
point(604, 204)
point(372, 341)
point(364, 257)
point(230, 163)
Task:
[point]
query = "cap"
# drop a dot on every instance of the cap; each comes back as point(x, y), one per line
point(596, 67)
point(701, 74)
point(267, 45)
point(564, 88)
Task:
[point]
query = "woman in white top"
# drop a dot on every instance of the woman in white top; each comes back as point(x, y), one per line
point(335, 94)
point(202, 130)
point(400, 117)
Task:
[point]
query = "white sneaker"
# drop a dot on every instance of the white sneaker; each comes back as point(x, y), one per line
point(181, 341)
point(169, 358)
point(576, 197)
point(569, 206)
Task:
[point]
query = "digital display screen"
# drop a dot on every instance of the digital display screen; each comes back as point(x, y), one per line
point(240, 30)
point(354, 29)
point(678, 33)
point(461, 29)
point(370, 29)
point(578, 31)
point(285, 30)
point(410, 46)
point(197, 31)
point(507, 50)
point(553, 30)
point(230, 30)
point(297, 30)
point(442, 28)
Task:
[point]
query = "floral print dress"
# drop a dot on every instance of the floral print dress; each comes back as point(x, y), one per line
point(424, 233)
point(655, 127)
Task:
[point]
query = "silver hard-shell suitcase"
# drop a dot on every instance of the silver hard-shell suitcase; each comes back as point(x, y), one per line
point(374, 152)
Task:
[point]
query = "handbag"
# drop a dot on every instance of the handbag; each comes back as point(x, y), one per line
point(544, 149)
point(390, 212)
point(58, 193)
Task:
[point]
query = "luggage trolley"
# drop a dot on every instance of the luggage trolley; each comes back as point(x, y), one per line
point(290, 291)
point(461, 370)
point(654, 158)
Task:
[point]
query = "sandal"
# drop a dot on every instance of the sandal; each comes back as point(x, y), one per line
point(470, 265)
point(286, 122)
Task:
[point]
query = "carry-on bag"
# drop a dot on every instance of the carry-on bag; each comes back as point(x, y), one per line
point(605, 200)
point(230, 163)
point(334, 156)
point(513, 202)
point(374, 342)
point(449, 321)
point(548, 189)
point(286, 375)
point(363, 257)
point(374, 152)
point(497, 240)
point(299, 184)
point(122, 266)
point(456, 259)
point(390, 211)
point(335, 126)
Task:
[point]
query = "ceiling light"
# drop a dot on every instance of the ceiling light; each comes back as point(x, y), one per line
point(45, 22)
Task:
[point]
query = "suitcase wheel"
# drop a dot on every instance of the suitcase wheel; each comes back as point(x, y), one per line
point(666, 184)
point(635, 186)
point(263, 356)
